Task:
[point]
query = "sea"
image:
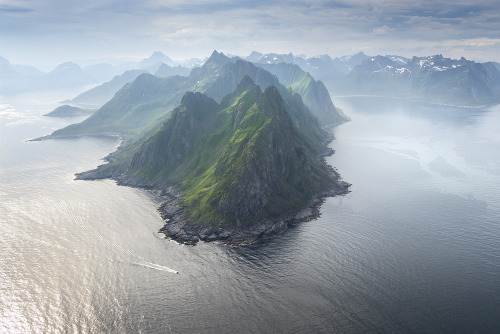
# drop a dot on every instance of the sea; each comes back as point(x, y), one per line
point(413, 248)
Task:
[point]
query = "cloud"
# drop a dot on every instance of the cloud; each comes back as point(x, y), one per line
point(13, 9)
point(193, 28)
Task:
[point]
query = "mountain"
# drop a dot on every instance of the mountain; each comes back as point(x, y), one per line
point(141, 103)
point(320, 67)
point(21, 78)
point(346, 64)
point(435, 78)
point(11, 79)
point(99, 95)
point(69, 111)
point(493, 71)
point(165, 70)
point(242, 169)
point(27, 70)
point(133, 108)
point(68, 75)
point(329, 71)
point(229, 72)
point(314, 93)
point(156, 59)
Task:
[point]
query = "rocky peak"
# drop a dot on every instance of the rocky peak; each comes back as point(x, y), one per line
point(271, 104)
point(196, 101)
point(245, 83)
point(217, 58)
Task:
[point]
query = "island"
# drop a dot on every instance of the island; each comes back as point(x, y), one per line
point(240, 158)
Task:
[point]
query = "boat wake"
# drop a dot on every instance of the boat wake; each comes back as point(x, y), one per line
point(155, 266)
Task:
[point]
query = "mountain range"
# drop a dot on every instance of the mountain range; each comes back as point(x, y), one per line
point(141, 103)
point(243, 168)
point(455, 82)
point(322, 67)
point(16, 79)
point(19, 78)
point(236, 146)
point(236, 152)
point(433, 78)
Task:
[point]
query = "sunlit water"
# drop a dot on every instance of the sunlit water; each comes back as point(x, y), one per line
point(414, 248)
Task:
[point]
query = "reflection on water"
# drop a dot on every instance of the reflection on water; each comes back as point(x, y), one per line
point(415, 246)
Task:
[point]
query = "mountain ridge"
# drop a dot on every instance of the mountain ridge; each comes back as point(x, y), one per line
point(144, 101)
point(236, 171)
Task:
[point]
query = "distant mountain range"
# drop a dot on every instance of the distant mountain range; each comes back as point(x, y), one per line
point(434, 78)
point(323, 67)
point(21, 78)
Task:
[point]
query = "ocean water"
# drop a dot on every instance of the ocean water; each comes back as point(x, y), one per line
point(413, 248)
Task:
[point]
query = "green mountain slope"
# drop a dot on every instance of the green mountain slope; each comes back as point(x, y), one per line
point(144, 103)
point(134, 107)
point(242, 167)
point(101, 94)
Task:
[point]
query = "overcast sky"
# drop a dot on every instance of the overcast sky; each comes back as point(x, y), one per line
point(44, 33)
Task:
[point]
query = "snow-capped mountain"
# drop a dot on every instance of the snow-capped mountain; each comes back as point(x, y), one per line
point(434, 78)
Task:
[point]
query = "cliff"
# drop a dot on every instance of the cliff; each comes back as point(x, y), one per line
point(236, 171)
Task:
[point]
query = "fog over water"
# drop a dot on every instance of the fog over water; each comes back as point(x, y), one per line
point(413, 248)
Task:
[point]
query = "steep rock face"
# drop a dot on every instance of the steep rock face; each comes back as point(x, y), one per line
point(240, 166)
point(181, 137)
point(232, 71)
point(269, 159)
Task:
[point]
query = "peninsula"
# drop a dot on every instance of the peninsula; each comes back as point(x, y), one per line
point(241, 157)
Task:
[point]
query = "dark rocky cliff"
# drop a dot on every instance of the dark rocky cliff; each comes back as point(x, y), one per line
point(233, 171)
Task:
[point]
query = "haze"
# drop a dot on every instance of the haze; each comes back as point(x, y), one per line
point(47, 33)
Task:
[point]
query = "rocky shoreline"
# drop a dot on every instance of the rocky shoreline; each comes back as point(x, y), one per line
point(178, 228)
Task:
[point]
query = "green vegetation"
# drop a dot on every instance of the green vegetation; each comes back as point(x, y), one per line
point(236, 163)
point(145, 103)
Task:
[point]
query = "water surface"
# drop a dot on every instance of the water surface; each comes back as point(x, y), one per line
point(413, 248)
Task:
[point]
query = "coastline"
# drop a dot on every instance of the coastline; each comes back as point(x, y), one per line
point(178, 228)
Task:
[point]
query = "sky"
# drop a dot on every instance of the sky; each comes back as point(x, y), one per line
point(44, 33)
